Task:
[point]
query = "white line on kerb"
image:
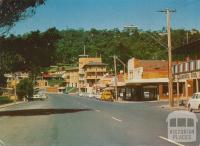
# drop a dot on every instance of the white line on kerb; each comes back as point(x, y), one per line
point(116, 119)
point(97, 110)
point(178, 144)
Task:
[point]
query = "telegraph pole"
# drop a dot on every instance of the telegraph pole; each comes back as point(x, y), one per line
point(187, 37)
point(115, 68)
point(170, 83)
point(115, 58)
point(96, 80)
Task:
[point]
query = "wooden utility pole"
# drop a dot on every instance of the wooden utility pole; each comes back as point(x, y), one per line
point(187, 37)
point(115, 68)
point(124, 64)
point(170, 83)
point(96, 80)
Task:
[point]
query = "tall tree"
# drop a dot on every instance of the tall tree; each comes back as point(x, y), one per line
point(12, 11)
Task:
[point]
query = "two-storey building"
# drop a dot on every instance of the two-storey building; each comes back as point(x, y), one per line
point(186, 71)
point(91, 69)
point(12, 80)
point(71, 77)
point(94, 71)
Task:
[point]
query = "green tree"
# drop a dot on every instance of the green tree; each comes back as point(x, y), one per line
point(35, 50)
point(12, 11)
point(24, 88)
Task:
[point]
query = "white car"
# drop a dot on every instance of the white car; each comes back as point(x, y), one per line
point(36, 96)
point(43, 96)
point(80, 94)
point(90, 95)
point(39, 97)
point(194, 102)
point(98, 96)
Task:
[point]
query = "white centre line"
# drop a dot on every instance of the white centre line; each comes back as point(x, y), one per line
point(97, 110)
point(169, 140)
point(116, 119)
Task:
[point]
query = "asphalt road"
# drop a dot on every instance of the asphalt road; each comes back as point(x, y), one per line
point(64, 120)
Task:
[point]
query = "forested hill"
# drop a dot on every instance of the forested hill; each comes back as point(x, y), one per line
point(37, 49)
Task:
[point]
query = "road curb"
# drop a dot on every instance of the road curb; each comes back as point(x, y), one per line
point(137, 101)
point(173, 108)
point(11, 104)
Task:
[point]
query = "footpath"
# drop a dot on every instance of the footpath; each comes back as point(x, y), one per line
point(11, 104)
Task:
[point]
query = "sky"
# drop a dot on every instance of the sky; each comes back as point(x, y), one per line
point(109, 14)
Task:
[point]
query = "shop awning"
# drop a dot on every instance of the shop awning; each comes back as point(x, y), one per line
point(144, 81)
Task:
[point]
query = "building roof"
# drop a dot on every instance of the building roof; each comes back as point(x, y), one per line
point(17, 74)
point(95, 64)
point(72, 68)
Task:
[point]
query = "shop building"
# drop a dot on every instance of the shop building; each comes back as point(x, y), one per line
point(186, 71)
point(147, 80)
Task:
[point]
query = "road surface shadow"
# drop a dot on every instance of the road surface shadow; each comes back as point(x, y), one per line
point(36, 112)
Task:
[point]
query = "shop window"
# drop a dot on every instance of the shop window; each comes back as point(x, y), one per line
point(176, 69)
point(186, 67)
point(173, 69)
point(191, 65)
point(165, 90)
point(181, 68)
point(198, 64)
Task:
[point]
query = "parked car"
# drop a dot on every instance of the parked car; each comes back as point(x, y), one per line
point(97, 96)
point(91, 95)
point(107, 95)
point(194, 102)
point(43, 96)
point(38, 97)
point(80, 94)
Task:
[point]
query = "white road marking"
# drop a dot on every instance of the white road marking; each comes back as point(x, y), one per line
point(178, 144)
point(116, 119)
point(2, 143)
point(85, 106)
point(97, 110)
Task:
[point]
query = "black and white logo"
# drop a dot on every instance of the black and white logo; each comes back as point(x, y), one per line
point(182, 126)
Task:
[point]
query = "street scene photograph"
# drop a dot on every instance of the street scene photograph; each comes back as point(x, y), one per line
point(99, 72)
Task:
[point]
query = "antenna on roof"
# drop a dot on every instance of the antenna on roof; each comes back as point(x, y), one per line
point(84, 53)
point(84, 49)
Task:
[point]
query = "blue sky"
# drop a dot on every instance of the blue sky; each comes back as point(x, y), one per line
point(108, 14)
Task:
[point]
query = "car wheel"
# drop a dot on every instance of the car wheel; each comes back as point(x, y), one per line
point(189, 108)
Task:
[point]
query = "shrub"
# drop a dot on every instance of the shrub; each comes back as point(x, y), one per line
point(4, 100)
point(24, 88)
